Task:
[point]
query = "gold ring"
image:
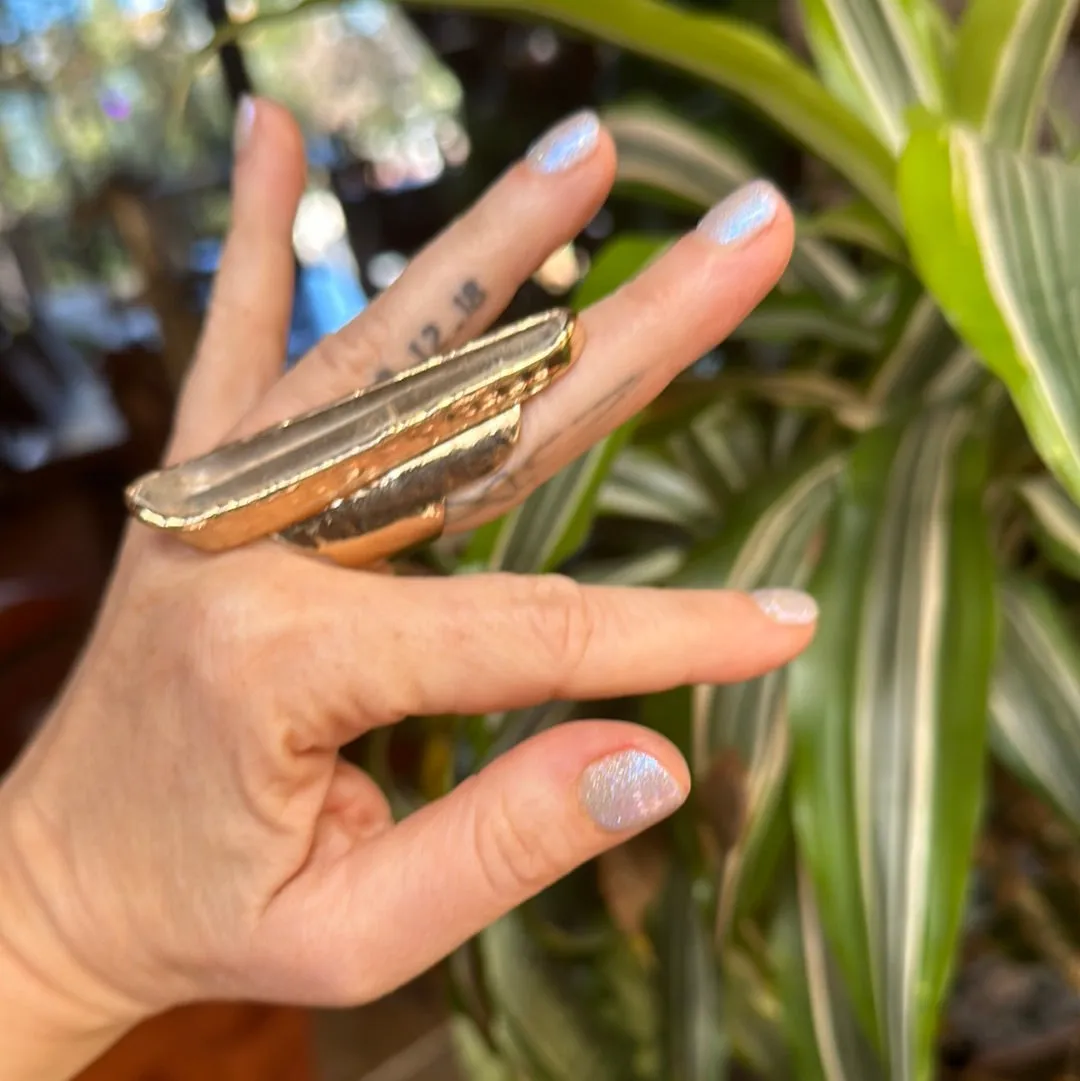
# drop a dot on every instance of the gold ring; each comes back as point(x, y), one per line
point(367, 476)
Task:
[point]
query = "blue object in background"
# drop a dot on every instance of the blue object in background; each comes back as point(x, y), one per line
point(326, 297)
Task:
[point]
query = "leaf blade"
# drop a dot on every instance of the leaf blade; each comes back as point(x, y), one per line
point(660, 150)
point(769, 542)
point(694, 1046)
point(991, 232)
point(1056, 522)
point(886, 50)
point(734, 56)
point(888, 758)
point(1035, 698)
point(1007, 51)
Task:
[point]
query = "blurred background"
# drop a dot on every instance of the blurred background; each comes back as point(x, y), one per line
point(115, 152)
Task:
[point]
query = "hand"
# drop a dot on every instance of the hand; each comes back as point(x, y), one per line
point(184, 828)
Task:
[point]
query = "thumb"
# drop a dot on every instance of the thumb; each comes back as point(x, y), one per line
point(531, 817)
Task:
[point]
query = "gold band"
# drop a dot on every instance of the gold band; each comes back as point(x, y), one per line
point(368, 475)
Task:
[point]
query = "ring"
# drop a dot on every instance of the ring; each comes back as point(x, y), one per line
point(367, 476)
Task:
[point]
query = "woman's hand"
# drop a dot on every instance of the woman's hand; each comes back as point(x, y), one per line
point(184, 828)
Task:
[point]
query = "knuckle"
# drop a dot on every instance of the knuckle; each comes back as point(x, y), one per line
point(517, 852)
point(230, 633)
point(357, 349)
point(565, 621)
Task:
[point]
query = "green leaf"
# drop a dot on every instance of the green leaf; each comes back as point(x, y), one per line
point(992, 233)
point(823, 1031)
point(859, 224)
point(539, 1018)
point(888, 710)
point(645, 569)
point(477, 1060)
point(924, 342)
point(504, 731)
point(734, 56)
point(754, 1015)
point(1056, 521)
point(724, 446)
point(1035, 697)
point(642, 484)
point(617, 262)
point(769, 542)
point(805, 389)
point(662, 151)
point(958, 378)
point(803, 318)
point(1006, 54)
point(880, 53)
point(693, 1039)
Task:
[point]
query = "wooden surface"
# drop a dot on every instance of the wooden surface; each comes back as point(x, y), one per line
point(217, 1042)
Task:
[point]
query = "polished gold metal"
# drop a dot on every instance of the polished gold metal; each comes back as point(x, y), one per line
point(367, 475)
point(407, 505)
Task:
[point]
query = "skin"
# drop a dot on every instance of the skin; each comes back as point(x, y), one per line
point(183, 827)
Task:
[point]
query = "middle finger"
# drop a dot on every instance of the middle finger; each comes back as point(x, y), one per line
point(456, 286)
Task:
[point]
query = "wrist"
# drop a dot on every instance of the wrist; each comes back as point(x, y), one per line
point(57, 1016)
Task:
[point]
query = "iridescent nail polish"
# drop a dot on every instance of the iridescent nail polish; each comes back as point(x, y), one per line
point(742, 215)
point(245, 121)
point(565, 144)
point(629, 790)
point(787, 605)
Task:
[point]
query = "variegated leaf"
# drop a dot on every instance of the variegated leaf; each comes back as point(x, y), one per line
point(808, 388)
point(802, 318)
point(642, 484)
point(1035, 696)
point(858, 224)
point(755, 1015)
point(921, 346)
point(992, 233)
point(826, 1041)
point(694, 1046)
point(888, 708)
point(724, 446)
point(1056, 520)
point(659, 150)
point(539, 1022)
point(771, 541)
point(477, 1060)
point(880, 54)
point(645, 569)
point(1006, 54)
point(736, 57)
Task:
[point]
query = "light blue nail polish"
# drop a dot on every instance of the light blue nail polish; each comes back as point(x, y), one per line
point(565, 144)
point(742, 215)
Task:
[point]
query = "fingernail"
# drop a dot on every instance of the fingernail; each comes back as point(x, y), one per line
point(629, 790)
point(565, 144)
point(741, 215)
point(787, 605)
point(245, 121)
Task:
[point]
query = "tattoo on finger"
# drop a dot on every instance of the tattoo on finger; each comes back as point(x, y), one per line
point(517, 478)
point(435, 335)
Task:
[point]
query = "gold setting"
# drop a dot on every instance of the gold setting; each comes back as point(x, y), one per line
point(368, 475)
